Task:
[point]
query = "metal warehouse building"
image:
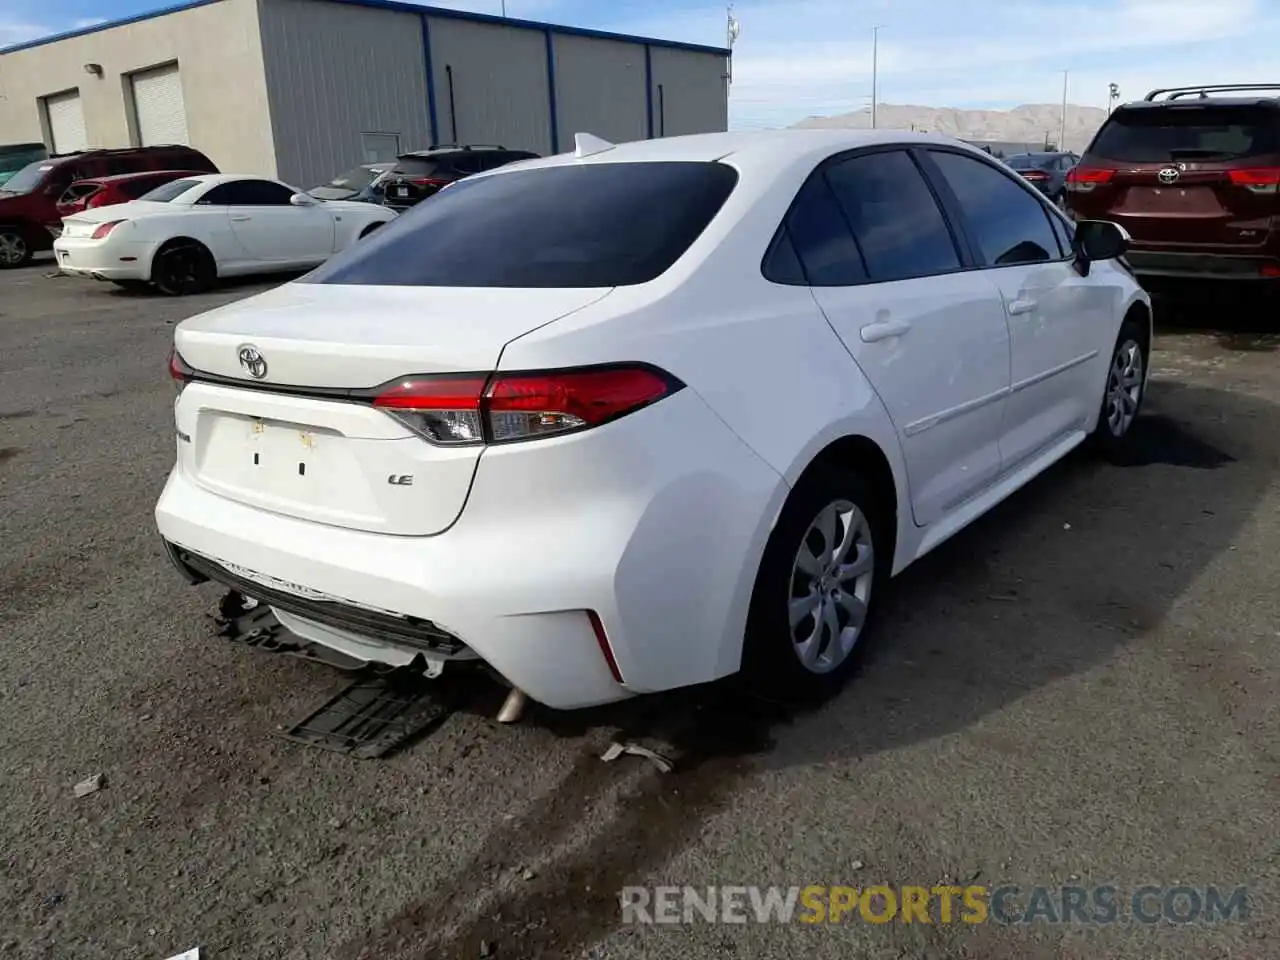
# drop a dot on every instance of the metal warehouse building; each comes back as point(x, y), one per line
point(303, 89)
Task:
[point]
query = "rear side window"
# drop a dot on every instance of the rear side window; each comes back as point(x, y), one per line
point(170, 190)
point(1008, 223)
point(819, 240)
point(1188, 132)
point(894, 217)
point(589, 225)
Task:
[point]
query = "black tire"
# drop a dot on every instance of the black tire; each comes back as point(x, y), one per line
point(133, 286)
point(1116, 415)
point(771, 660)
point(183, 267)
point(15, 249)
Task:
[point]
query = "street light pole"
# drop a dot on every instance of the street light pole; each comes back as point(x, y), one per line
point(1062, 130)
point(875, 56)
point(1113, 94)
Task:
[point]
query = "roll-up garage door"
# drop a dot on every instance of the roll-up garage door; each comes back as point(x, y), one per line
point(158, 106)
point(66, 122)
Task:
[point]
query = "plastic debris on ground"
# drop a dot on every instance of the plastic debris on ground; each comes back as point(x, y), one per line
point(89, 785)
point(618, 749)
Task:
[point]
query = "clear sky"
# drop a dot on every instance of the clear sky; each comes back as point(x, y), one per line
point(797, 58)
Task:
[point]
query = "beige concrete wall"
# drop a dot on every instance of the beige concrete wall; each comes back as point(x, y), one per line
point(219, 54)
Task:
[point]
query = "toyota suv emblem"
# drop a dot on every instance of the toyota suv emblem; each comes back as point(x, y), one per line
point(1169, 175)
point(253, 361)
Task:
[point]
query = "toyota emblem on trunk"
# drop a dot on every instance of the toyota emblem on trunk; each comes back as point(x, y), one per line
point(1169, 175)
point(253, 361)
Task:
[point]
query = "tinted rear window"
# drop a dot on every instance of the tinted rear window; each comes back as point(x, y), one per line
point(1190, 132)
point(415, 167)
point(1027, 163)
point(170, 190)
point(594, 225)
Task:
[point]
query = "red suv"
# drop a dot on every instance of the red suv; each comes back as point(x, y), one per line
point(29, 218)
point(1193, 174)
point(121, 188)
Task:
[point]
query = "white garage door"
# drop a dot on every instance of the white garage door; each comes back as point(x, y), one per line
point(157, 101)
point(66, 122)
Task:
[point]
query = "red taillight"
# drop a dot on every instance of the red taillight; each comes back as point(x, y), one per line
point(507, 407)
point(1035, 175)
point(1257, 180)
point(179, 371)
point(1269, 270)
point(106, 228)
point(430, 182)
point(1084, 179)
point(605, 647)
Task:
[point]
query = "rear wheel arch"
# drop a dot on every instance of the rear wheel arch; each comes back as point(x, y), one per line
point(862, 455)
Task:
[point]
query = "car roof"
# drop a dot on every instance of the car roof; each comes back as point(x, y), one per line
point(1183, 103)
point(764, 149)
point(138, 175)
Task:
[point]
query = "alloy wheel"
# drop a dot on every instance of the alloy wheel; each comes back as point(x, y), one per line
point(13, 249)
point(1124, 387)
point(831, 586)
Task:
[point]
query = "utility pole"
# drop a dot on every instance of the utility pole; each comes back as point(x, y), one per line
point(875, 55)
point(504, 7)
point(1062, 131)
point(732, 30)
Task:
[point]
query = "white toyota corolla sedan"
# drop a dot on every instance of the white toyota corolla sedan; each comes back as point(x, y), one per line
point(184, 235)
point(646, 415)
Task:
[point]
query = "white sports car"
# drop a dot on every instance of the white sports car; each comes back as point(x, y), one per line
point(184, 235)
point(643, 416)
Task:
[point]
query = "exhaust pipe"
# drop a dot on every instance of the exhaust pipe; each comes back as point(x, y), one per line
point(513, 706)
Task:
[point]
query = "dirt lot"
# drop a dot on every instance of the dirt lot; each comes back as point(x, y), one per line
point(1080, 689)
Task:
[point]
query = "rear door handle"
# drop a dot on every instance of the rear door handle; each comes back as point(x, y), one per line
point(1021, 305)
point(240, 219)
point(883, 330)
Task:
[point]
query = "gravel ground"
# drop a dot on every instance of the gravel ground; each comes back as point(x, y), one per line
point(1080, 689)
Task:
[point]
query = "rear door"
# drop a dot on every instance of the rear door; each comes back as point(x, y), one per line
point(1060, 323)
point(1185, 174)
point(928, 334)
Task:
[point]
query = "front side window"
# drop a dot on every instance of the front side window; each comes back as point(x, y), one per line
point(576, 225)
point(897, 223)
point(1009, 224)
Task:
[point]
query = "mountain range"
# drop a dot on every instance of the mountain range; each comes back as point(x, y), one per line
point(1028, 123)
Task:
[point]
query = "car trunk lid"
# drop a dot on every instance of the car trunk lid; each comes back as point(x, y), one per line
point(291, 427)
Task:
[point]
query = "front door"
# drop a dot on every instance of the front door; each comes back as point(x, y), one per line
point(1058, 320)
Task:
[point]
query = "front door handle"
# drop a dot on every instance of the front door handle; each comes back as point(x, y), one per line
point(241, 219)
point(883, 330)
point(1021, 305)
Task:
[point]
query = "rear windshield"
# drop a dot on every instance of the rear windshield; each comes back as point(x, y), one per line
point(1026, 162)
point(415, 167)
point(594, 225)
point(170, 190)
point(1190, 132)
point(355, 180)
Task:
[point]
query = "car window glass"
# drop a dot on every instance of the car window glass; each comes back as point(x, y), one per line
point(1008, 223)
point(136, 188)
point(1188, 131)
point(168, 191)
point(248, 193)
point(821, 239)
point(894, 218)
point(589, 225)
point(1063, 232)
point(781, 265)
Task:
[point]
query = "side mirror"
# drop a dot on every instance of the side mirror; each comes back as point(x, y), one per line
point(303, 200)
point(1097, 240)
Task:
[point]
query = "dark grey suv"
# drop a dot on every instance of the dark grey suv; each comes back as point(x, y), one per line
point(421, 174)
point(1046, 171)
